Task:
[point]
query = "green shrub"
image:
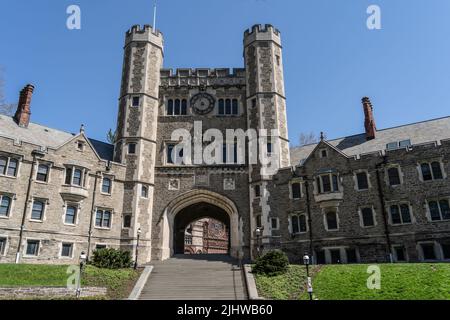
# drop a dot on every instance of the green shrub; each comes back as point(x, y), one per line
point(272, 263)
point(112, 259)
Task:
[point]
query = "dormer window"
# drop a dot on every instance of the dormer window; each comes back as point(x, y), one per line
point(323, 153)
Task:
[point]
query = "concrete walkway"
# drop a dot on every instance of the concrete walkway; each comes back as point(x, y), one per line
point(195, 277)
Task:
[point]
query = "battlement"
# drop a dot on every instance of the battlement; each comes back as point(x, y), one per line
point(203, 72)
point(144, 33)
point(203, 77)
point(260, 32)
point(257, 28)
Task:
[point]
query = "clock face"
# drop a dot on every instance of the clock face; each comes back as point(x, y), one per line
point(202, 103)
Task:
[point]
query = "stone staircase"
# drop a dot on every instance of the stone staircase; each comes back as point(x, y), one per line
point(195, 277)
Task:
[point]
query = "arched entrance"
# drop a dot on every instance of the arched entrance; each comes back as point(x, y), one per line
point(175, 216)
point(201, 228)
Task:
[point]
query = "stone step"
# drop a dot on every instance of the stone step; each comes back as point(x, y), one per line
point(195, 278)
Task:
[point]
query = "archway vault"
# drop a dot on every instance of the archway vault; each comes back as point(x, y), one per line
point(191, 198)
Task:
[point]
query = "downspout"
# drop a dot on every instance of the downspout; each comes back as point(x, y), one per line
point(92, 214)
point(308, 211)
point(27, 198)
point(383, 209)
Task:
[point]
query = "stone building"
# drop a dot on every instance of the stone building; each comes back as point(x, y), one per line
point(376, 196)
point(206, 236)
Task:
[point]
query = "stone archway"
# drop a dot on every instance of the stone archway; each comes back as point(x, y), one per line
point(204, 213)
point(225, 207)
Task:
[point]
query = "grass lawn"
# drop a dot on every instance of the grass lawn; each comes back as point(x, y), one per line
point(349, 282)
point(118, 282)
point(288, 286)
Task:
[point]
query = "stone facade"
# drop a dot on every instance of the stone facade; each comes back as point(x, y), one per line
point(94, 194)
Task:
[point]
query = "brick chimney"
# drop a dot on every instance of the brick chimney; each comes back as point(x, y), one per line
point(369, 120)
point(22, 116)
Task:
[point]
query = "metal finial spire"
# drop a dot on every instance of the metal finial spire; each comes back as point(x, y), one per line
point(322, 137)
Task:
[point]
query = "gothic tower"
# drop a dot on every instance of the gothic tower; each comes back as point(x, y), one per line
point(266, 110)
point(136, 132)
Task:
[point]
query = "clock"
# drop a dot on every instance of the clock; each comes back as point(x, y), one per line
point(203, 103)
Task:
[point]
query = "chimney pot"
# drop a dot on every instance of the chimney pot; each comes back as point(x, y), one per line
point(369, 120)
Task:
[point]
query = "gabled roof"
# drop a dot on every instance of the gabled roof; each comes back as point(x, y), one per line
point(47, 137)
point(322, 144)
point(420, 132)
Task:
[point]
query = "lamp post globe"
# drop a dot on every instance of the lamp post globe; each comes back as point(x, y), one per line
point(306, 262)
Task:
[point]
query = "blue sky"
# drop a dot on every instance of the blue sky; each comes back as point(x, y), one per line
point(331, 59)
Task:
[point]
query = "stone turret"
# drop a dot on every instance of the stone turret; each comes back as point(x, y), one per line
point(266, 109)
point(136, 129)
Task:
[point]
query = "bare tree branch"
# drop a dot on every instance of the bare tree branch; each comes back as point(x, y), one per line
point(5, 108)
point(307, 138)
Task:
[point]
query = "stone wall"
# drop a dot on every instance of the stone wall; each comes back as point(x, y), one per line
point(52, 230)
point(49, 292)
point(371, 243)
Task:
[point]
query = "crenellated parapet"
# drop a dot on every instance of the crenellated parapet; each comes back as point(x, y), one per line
point(203, 77)
point(260, 32)
point(144, 33)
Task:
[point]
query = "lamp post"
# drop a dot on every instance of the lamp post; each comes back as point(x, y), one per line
point(258, 232)
point(83, 259)
point(306, 262)
point(137, 248)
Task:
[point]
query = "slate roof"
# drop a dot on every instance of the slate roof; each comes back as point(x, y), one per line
point(47, 137)
point(418, 133)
